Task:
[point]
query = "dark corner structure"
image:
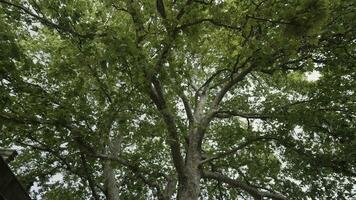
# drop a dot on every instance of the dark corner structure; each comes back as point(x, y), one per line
point(10, 187)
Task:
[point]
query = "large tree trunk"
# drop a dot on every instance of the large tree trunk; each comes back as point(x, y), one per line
point(189, 188)
point(110, 184)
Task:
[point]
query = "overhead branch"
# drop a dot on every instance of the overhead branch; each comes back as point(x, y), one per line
point(285, 107)
point(203, 2)
point(137, 21)
point(164, 53)
point(237, 77)
point(211, 21)
point(45, 21)
point(135, 169)
point(64, 162)
point(258, 5)
point(230, 113)
point(182, 10)
point(269, 20)
point(24, 120)
point(187, 107)
point(126, 163)
point(156, 94)
point(102, 86)
point(155, 91)
point(88, 174)
point(161, 9)
point(253, 191)
point(335, 163)
point(294, 65)
point(234, 150)
point(349, 54)
point(206, 84)
point(120, 8)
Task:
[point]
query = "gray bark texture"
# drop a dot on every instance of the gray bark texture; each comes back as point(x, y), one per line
point(110, 184)
point(112, 191)
point(189, 188)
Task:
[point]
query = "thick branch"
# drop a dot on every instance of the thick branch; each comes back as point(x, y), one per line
point(91, 182)
point(187, 107)
point(173, 139)
point(182, 10)
point(135, 169)
point(161, 9)
point(102, 86)
point(203, 2)
point(154, 90)
point(253, 191)
point(206, 84)
point(45, 148)
point(226, 87)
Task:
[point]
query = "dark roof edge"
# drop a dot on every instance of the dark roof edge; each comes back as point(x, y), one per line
point(8, 154)
point(10, 187)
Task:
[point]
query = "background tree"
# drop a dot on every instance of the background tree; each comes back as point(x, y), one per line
point(180, 99)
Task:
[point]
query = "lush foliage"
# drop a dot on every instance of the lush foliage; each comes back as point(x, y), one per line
point(179, 99)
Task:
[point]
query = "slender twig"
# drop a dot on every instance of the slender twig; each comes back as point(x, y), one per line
point(229, 113)
point(269, 20)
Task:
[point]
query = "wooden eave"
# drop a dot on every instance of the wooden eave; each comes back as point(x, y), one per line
point(10, 187)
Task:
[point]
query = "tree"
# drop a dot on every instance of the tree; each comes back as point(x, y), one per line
point(180, 99)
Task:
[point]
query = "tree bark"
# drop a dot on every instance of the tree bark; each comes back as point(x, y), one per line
point(110, 184)
point(111, 189)
point(189, 189)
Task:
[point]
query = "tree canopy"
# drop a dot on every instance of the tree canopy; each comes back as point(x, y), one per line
point(166, 99)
